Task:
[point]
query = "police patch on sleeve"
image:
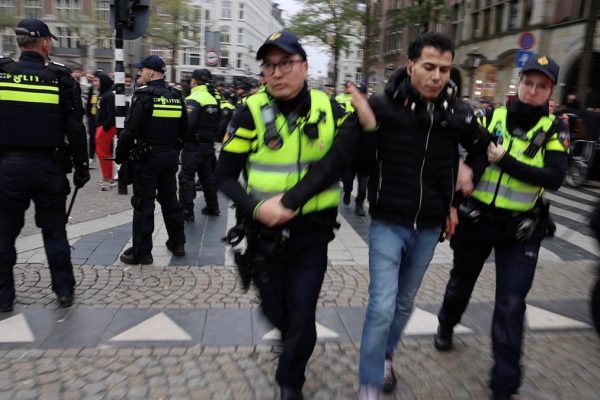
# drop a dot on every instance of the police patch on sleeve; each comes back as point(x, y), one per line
point(564, 137)
point(229, 134)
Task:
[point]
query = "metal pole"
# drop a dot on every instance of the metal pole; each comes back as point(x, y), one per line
point(119, 79)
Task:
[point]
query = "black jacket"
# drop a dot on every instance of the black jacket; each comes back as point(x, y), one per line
point(105, 116)
point(27, 125)
point(414, 153)
point(138, 121)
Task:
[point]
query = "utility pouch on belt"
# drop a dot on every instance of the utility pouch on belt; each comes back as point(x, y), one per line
point(61, 155)
point(468, 211)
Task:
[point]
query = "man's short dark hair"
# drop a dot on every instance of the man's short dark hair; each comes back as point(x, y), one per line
point(440, 42)
point(27, 42)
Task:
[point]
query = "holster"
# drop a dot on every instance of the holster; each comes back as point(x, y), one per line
point(61, 155)
point(126, 173)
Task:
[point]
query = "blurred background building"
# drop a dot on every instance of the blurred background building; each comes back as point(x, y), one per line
point(494, 38)
point(222, 35)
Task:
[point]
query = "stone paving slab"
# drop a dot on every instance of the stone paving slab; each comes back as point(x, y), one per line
point(246, 372)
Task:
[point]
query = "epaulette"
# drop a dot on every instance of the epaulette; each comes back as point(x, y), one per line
point(57, 63)
point(58, 69)
point(5, 61)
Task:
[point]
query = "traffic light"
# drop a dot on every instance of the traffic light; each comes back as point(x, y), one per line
point(133, 16)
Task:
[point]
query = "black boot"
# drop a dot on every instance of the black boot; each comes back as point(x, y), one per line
point(131, 257)
point(288, 393)
point(178, 250)
point(65, 301)
point(443, 339)
point(6, 307)
point(359, 210)
point(211, 211)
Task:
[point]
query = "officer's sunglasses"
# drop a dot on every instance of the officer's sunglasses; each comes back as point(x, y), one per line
point(285, 66)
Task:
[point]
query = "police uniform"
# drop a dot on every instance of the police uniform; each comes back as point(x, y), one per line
point(227, 108)
point(198, 153)
point(40, 107)
point(274, 143)
point(155, 127)
point(506, 213)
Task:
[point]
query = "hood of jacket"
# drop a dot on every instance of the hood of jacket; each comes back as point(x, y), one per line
point(399, 88)
point(105, 82)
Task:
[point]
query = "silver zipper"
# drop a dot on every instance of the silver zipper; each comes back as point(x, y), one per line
point(380, 167)
point(430, 111)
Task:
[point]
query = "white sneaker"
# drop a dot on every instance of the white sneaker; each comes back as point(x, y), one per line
point(368, 392)
point(92, 164)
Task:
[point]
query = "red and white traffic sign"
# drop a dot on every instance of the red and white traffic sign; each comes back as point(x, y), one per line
point(212, 57)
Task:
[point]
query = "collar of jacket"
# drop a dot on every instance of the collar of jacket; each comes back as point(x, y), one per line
point(31, 56)
point(399, 89)
point(300, 104)
point(199, 88)
point(524, 116)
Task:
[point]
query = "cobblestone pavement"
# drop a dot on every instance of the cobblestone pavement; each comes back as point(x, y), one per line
point(560, 363)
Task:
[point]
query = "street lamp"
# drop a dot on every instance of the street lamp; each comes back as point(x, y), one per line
point(475, 58)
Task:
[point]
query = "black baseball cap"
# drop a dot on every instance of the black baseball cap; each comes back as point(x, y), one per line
point(34, 27)
point(202, 74)
point(543, 64)
point(153, 62)
point(284, 40)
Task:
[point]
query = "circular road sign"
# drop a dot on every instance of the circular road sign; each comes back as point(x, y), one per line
point(212, 57)
point(526, 40)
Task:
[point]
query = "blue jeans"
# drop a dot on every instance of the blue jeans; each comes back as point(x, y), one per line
point(398, 259)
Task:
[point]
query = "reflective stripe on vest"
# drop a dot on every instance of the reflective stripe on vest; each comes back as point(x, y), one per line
point(512, 193)
point(275, 171)
point(24, 93)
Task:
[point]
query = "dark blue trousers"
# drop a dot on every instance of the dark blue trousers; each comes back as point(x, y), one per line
point(197, 157)
point(25, 177)
point(515, 270)
point(289, 299)
point(154, 179)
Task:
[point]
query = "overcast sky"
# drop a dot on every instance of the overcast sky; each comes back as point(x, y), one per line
point(317, 56)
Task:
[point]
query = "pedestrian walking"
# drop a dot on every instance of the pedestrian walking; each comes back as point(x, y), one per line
point(274, 137)
point(154, 132)
point(199, 151)
point(506, 213)
point(359, 168)
point(40, 108)
point(106, 129)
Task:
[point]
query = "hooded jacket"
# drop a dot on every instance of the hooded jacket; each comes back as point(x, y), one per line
point(105, 115)
point(414, 152)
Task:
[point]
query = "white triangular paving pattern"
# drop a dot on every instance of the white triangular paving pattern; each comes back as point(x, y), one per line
point(15, 329)
point(322, 333)
point(538, 318)
point(422, 322)
point(157, 328)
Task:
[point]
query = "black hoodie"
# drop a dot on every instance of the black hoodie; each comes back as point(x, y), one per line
point(105, 116)
point(414, 153)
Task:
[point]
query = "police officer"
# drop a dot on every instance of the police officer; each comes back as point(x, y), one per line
point(154, 132)
point(506, 213)
point(274, 137)
point(199, 151)
point(40, 107)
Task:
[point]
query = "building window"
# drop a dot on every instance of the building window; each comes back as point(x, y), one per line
point(240, 38)
point(527, 13)
point(226, 9)
point(191, 56)
point(104, 40)
point(68, 38)
point(225, 38)
point(102, 10)
point(242, 9)
point(33, 8)
point(68, 9)
point(7, 7)
point(499, 17)
point(392, 39)
point(224, 58)
point(238, 61)
point(512, 19)
point(487, 15)
point(358, 75)
point(475, 32)
point(206, 15)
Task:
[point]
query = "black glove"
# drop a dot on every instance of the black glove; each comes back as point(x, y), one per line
point(461, 120)
point(121, 154)
point(81, 175)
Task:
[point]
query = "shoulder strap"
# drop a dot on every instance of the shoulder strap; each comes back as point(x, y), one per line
point(8, 64)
